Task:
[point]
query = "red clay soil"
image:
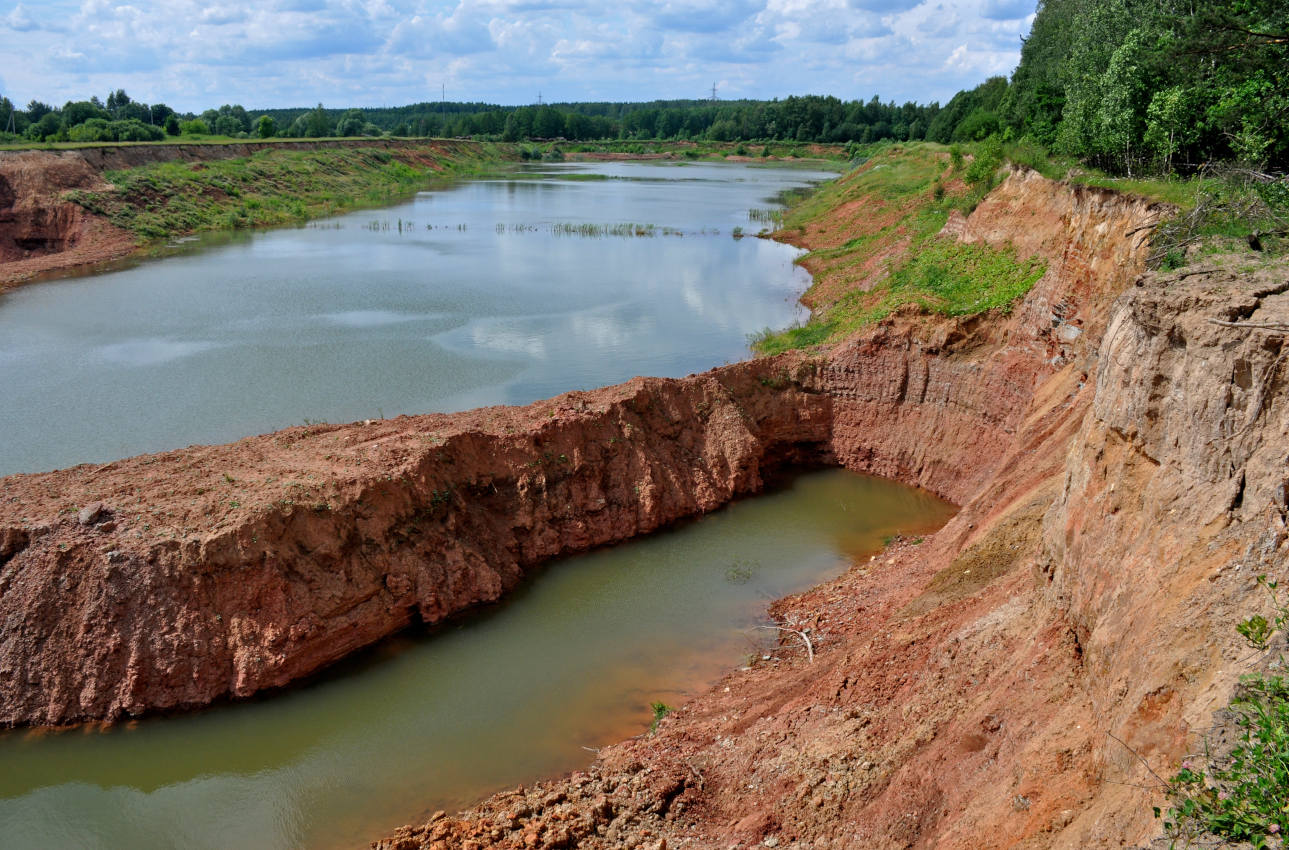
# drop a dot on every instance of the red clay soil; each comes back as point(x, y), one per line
point(39, 232)
point(1119, 460)
point(1011, 680)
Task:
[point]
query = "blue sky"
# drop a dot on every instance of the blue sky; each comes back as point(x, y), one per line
point(193, 55)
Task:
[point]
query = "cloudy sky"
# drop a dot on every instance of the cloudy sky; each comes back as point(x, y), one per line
point(194, 54)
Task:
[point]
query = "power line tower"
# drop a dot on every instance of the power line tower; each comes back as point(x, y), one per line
point(539, 98)
point(713, 97)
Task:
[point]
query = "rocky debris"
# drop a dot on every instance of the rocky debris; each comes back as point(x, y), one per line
point(623, 807)
point(92, 513)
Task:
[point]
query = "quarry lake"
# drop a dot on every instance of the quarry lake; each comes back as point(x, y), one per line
point(562, 277)
point(567, 276)
point(571, 660)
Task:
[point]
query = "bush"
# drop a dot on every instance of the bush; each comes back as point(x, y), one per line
point(134, 130)
point(195, 127)
point(989, 158)
point(93, 130)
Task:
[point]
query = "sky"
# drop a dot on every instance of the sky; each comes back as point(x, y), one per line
point(197, 54)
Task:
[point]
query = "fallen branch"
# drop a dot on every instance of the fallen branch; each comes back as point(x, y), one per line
point(1163, 782)
point(801, 633)
point(1278, 327)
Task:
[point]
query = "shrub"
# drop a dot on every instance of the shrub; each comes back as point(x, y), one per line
point(1240, 796)
point(989, 158)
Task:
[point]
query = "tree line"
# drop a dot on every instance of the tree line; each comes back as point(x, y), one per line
point(1126, 85)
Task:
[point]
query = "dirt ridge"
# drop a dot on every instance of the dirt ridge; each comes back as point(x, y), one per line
point(1011, 681)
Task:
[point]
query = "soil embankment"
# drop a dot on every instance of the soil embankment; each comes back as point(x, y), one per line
point(42, 230)
point(1012, 680)
point(1114, 453)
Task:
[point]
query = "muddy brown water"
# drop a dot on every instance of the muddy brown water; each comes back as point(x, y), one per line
point(572, 660)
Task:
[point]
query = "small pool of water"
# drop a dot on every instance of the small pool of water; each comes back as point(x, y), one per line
point(571, 660)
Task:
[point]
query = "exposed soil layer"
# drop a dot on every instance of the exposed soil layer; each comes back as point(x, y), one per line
point(41, 231)
point(1119, 460)
point(1012, 680)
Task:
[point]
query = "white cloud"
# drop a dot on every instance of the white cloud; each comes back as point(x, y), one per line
point(369, 52)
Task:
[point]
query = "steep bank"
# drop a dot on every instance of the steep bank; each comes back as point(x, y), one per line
point(80, 207)
point(962, 687)
point(176, 579)
point(1011, 681)
point(223, 571)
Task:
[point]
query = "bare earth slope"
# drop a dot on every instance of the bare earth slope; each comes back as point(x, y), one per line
point(42, 231)
point(1122, 486)
point(1119, 460)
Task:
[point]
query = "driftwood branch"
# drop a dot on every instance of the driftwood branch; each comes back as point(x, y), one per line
point(804, 634)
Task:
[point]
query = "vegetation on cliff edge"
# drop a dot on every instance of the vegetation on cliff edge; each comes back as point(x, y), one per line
point(876, 247)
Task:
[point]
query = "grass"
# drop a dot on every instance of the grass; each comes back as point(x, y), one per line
point(1240, 794)
point(660, 710)
point(903, 196)
point(271, 187)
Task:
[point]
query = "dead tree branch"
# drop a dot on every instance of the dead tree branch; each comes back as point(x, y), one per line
point(804, 634)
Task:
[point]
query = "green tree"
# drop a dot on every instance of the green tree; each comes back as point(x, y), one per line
point(159, 113)
point(351, 123)
point(81, 111)
point(265, 127)
point(37, 110)
point(317, 124)
point(227, 125)
point(48, 127)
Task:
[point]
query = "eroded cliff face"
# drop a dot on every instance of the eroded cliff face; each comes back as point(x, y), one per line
point(177, 579)
point(39, 230)
point(1172, 501)
point(1000, 684)
point(1116, 461)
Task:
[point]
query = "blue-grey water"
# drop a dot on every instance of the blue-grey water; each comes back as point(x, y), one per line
point(485, 292)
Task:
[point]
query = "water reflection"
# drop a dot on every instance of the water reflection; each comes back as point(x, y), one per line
point(460, 297)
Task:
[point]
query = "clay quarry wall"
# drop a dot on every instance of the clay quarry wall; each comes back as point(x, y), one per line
point(1118, 457)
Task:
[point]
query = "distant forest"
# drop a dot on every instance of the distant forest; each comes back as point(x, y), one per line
point(1126, 85)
